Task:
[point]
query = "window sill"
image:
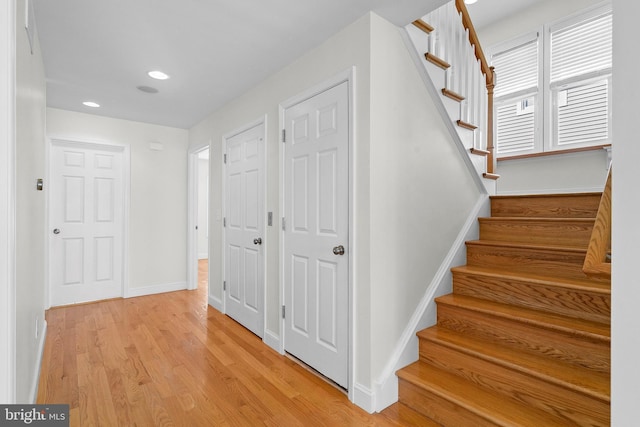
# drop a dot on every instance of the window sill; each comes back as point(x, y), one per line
point(555, 152)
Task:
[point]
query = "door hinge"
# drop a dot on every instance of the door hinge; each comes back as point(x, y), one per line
point(283, 312)
point(224, 285)
point(284, 227)
point(284, 135)
point(224, 221)
point(224, 157)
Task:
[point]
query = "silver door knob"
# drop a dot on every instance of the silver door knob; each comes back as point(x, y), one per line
point(338, 250)
point(56, 231)
point(257, 241)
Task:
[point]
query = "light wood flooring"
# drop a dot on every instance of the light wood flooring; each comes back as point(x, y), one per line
point(170, 359)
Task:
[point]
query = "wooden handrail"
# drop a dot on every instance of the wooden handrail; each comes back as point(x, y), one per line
point(489, 73)
point(596, 263)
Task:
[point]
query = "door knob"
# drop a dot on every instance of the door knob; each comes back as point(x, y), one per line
point(257, 241)
point(338, 250)
point(56, 231)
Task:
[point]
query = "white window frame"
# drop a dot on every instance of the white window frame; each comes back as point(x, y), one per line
point(545, 118)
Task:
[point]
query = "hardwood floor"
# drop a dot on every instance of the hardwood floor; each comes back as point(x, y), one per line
point(170, 359)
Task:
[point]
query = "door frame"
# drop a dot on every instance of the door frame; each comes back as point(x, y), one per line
point(348, 76)
point(192, 215)
point(126, 195)
point(7, 202)
point(265, 247)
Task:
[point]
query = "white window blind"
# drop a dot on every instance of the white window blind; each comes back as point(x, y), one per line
point(582, 48)
point(516, 68)
point(515, 130)
point(583, 114)
point(553, 87)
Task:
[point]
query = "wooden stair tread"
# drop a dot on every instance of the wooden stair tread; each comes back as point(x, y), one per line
point(577, 327)
point(404, 415)
point(452, 95)
point(579, 284)
point(419, 23)
point(552, 231)
point(494, 408)
point(539, 247)
point(437, 61)
point(595, 384)
point(488, 175)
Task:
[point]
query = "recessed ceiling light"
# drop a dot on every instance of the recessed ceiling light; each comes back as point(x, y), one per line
point(470, 1)
point(158, 75)
point(91, 104)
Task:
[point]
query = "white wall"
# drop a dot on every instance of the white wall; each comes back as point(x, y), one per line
point(421, 191)
point(563, 173)
point(203, 208)
point(625, 351)
point(30, 210)
point(158, 199)
point(407, 211)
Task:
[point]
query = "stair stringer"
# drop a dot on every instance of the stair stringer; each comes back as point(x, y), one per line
point(385, 387)
point(449, 110)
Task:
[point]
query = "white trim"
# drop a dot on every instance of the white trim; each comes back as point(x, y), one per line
point(33, 393)
point(216, 303)
point(203, 255)
point(192, 214)
point(156, 289)
point(272, 340)
point(126, 190)
point(348, 76)
point(7, 203)
point(385, 390)
point(364, 398)
point(261, 121)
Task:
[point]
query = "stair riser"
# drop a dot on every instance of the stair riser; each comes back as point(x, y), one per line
point(561, 233)
point(578, 303)
point(576, 349)
point(536, 261)
point(553, 206)
point(437, 407)
point(577, 408)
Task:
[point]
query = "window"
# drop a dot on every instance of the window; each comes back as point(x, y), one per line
point(553, 86)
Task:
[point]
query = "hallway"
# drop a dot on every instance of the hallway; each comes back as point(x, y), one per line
point(169, 359)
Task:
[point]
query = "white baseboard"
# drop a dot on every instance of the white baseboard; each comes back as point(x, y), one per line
point(364, 398)
point(273, 340)
point(156, 289)
point(33, 391)
point(216, 303)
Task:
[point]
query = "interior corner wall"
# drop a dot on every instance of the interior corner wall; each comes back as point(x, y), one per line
point(30, 209)
point(158, 194)
point(625, 292)
point(422, 191)
point(348, 48)
point(576, 172)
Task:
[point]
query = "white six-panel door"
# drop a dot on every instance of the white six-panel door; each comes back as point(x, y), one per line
point(316, 185)
point(244, 230)
point(86, 217)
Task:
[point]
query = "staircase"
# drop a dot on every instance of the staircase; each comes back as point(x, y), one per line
point(447, 52)
point(524, 339)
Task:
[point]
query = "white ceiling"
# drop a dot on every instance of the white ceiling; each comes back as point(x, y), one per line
point(214, 50)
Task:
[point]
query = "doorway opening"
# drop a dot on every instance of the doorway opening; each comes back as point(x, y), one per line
point(198, 257)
